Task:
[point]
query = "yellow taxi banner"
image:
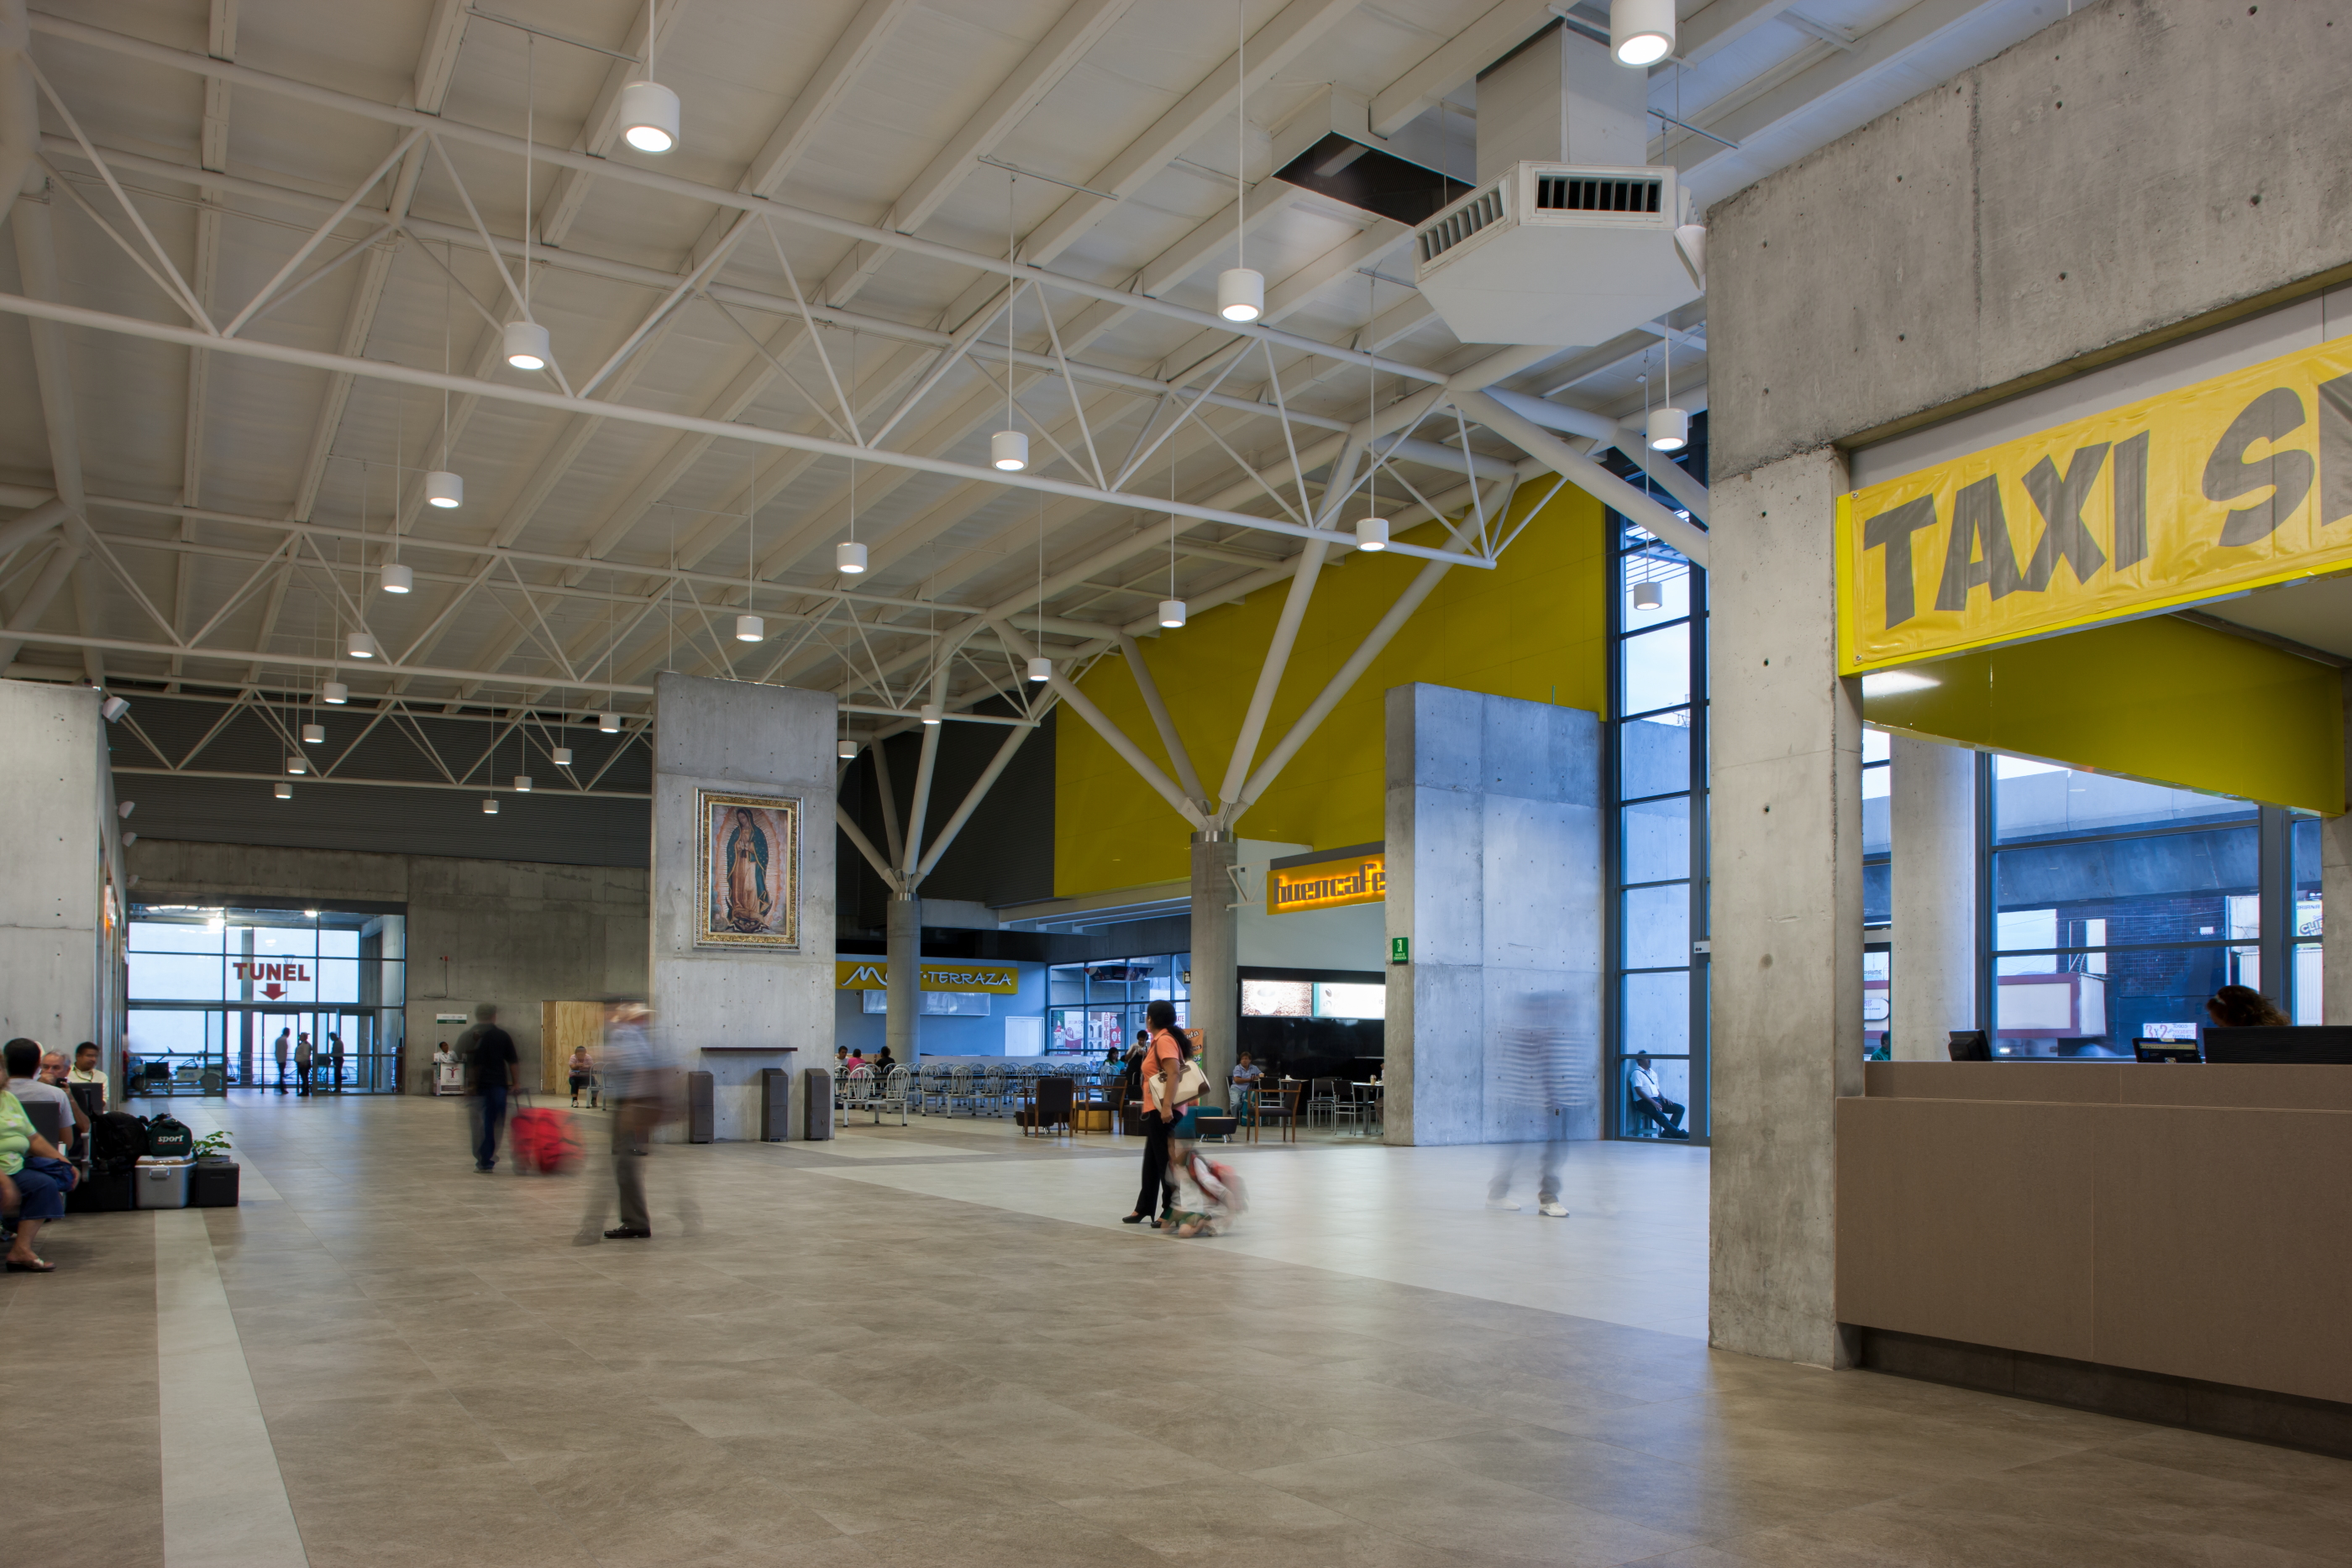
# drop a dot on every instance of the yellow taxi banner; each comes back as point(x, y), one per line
point(968, 979)
point(1327, 884)
point(2239, 481)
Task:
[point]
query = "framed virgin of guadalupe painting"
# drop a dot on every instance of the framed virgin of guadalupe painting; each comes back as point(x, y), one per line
point(751, 871)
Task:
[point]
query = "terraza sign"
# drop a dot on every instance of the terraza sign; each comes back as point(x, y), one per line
point(2234, 483)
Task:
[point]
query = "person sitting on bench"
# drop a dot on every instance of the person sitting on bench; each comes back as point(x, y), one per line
point(1653, 1105)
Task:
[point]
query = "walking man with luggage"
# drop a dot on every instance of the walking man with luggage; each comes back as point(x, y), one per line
point(492, 1071)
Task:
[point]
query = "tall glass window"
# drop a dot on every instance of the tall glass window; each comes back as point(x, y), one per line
point(1094, 1009)
point(1877, 895)
point(2302, 892)
point(1657, 855)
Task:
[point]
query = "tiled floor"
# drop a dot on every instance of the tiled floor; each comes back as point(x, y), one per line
point(936, 1345)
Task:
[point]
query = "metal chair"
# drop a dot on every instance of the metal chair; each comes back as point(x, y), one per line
point(993, 1091)
point(1323, 1102)
point(854, 1093)
point(892, 1096)
point(1276, 1106)
point(960, 1089)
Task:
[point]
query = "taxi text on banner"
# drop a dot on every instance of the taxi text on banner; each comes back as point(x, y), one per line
point(2231, 484)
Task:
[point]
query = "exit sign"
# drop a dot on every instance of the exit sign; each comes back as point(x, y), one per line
point(1399, 950)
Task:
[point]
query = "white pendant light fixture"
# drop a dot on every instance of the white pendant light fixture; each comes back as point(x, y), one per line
point(284, 791)
point(1172, 612)
point(750, 629)
point(1669, 427)
point(931, 713)
point(1641, 32)
point(444, 489)
point(113, 708)
point(1372, 534)
point(561, 756)
point(1041, 668)
point(334, 693)
point(297, 763)
point(648, 110)
point(528, 347)
point(846, 748)
point(398, 579)
point(1241, 288)
point(849, 557)
point(359, 645)
point(1172, 609)
point(489, 805)
point(314, 734)
point(610, 722)
point(1648, 596)
point(1371, 529)
point(1008, 449)
point(522, 784)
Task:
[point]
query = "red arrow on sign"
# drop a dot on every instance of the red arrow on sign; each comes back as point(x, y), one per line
point(273, 992)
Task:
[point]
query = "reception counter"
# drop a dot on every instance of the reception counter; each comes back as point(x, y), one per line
point(2175, 1233)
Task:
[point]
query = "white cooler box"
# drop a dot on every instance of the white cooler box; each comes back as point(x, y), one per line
point(162, 1183)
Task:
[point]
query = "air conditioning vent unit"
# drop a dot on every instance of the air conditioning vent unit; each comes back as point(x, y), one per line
point(1560, 254)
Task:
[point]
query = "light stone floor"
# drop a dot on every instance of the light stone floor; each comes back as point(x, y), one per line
point(935, 1346)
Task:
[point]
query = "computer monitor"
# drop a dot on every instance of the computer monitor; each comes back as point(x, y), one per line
point(2146, 1050)
point(2274, 1043)
point(1970, 1045)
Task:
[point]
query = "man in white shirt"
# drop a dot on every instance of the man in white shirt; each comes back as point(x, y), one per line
point(86, 1070)
point(1647, 1096)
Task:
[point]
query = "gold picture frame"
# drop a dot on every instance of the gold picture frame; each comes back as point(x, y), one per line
point(750, 865)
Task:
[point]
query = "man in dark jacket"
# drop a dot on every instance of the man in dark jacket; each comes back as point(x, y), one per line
point(492, 1071)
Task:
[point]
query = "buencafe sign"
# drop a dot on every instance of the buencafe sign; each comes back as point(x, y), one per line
point(967, 979)
point(2234, 483)
point(1361, 878)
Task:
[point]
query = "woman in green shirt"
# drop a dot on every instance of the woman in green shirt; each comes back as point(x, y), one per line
point(34, 1181)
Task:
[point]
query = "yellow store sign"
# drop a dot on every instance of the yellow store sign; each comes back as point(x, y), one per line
point(1327, 884)
point(968, 979)
point(2236, 482)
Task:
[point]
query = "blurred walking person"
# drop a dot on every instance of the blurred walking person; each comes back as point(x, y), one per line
point(305, 1055)
point(1172, 1084)
point(1541, 1086)
point(637, 1094)
point(278, 1047)
point(493, 1071)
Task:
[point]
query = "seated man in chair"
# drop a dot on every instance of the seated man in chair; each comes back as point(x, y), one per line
point(1650, 1104)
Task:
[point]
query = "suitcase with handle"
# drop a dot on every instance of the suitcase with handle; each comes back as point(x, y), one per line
point(213, 1184)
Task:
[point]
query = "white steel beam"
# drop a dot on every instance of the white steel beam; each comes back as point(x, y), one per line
point(1585, 474)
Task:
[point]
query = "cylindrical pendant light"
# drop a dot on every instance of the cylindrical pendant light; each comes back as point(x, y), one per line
point(398, 579)
point(610, 722)
point(1172, 612)
point(1008, 450)
point(1372, 534)
point(931, 713)
point(297, 763)
point(561, 756)
point(522, 784)
point(490, 806)
point(849, 557)
point(1648, 596)
point(359, 645)
point(1241, 294)
point(1669, 429)
point(284, 791)
point(846, 748)
point(314, 734)
point(750, 629)
point(334, 693)
point(1641, 32)
point(1041, 669)
point(527, 346)
point(444, 489)
point(649, 116)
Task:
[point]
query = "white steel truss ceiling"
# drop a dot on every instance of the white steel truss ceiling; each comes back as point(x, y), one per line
point(255, 290)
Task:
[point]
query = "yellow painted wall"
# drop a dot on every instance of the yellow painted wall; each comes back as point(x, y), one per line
point(1534, 628)
point(2159, 700)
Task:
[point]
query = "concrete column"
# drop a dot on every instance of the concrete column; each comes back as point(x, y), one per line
point(1787, 857)
point(1493, 823)
point(1932, 823)
point(902, 1027)
point(52, 776)
point(727, 1010)
point(2336, 895)
point(1216, 1004)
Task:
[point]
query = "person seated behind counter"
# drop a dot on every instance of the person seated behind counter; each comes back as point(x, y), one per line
point(2243, 1007)
point(86, 1070)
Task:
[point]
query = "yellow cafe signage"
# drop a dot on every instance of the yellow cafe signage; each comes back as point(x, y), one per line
point(1361, 877)
point(2232, 484)
point(983, 980)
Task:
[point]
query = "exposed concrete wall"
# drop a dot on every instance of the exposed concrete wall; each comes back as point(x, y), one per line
point(2129, 170)
point(1932, 831)
point(1787, 914)
point(52, 858)
point(1494, 854)
point(515, 933)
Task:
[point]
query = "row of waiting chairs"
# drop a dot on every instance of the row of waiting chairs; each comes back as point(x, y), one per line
point(953, 1088)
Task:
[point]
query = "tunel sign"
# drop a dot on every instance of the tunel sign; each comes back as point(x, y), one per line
point(2234, 483)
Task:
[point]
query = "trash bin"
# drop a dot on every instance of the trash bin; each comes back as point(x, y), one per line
point(700, 1111)
point(816, 1112)
point(162, 1180)
point(775, 1104)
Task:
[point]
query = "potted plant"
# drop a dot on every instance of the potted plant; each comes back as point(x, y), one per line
point(211, 1146)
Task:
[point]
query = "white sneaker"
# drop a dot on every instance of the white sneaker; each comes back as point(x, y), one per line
point(1552, 1208)
point(1502, 1206)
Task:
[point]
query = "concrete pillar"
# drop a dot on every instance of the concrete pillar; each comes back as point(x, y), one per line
point(1493, 823)
point(52, 774)
point(903, 932)
point(2336, 895)
point(1787, 916)
point(1216, 1007)
point(1932, 823)
point(728, 1009)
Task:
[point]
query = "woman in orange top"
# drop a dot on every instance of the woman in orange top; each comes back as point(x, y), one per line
point(1160, 1071)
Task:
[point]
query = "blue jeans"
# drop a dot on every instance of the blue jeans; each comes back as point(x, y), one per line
point(489, 1117)
point(41, 1187)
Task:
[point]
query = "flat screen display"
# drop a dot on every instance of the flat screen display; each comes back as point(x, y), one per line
point(1277, 998)
point(1345, 999)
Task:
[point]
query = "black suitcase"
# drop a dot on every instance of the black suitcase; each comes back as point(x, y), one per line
point(213, 1184)
point(98, 1194)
